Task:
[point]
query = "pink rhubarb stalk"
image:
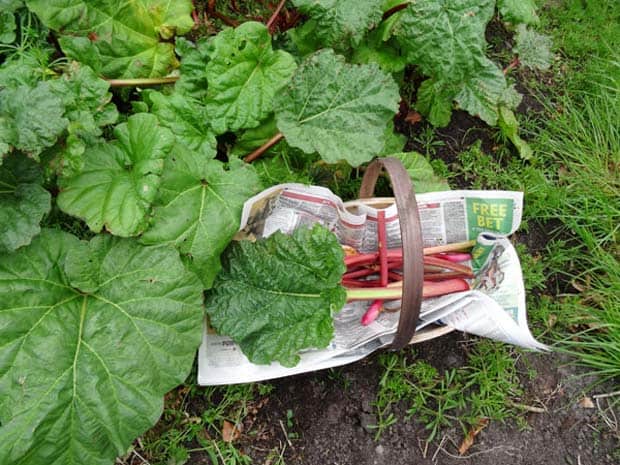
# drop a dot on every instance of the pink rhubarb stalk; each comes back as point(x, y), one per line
point(372, 313)
point(383, 259)
point(456, 257)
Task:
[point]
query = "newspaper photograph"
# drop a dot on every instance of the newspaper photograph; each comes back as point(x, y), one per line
point(493, 308)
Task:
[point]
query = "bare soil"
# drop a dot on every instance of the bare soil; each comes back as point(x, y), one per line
point(332, 411)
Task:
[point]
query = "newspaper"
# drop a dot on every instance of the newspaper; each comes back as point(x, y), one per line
point(493, 308)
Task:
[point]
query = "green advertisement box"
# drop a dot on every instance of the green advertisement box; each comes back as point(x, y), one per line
point(493, 215)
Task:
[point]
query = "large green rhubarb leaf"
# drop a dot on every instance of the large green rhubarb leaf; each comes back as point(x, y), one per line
point(277, 296)
point(23, 202)
point(244, 74)
point(340, 24)
point(119, 179)
point(128, 37)
point(93, 335)
point(187, 119)
point(482, 92)
point(199, 207)
point(31, 118)
point(443, 37)
point(421, 173)
point(336, 109)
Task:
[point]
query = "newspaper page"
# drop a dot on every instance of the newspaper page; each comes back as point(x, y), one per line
point(495, 307)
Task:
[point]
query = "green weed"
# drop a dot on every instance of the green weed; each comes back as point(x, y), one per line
point(482, 389)
point(427, 141)
point(182, 431)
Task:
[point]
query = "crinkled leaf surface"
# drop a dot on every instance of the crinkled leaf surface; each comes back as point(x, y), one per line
point(510, 98)
point(421, 173)
point(187, 118)
point(341, 24)
point(277, 296)
point(87, 103)
point(482, 92)
point(443, 37)
point(336, 109)
point(7, 27)
point(194, 57)
point(127, 35)
point(435, 101)
point(23, 202)
point(244, 74)
point(84, 50)
point(7, 20)
point(31, 118)
point(386, 53)
point(518, 11)
point(93, 335)
point(534, 49)
point(199, 207)
point(24, 68)
point(119, 179)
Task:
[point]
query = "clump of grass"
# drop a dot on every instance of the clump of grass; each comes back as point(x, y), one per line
point(186, 430)
point(585, 34)
point(484, 389)
point(581, 142)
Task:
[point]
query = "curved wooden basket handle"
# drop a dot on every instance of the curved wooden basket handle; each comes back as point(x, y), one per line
point(411, 237)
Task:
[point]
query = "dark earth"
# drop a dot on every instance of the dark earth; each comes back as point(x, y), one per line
point(332, 411)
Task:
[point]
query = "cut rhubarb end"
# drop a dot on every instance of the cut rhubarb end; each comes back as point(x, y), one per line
point(454, 257)
point(449, 286)
point(372, 313)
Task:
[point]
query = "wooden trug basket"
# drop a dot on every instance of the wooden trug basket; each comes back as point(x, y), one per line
point(411, 236)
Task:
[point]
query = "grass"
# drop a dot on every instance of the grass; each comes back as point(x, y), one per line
point(193, 424)
point(585, 34)
point(583, 144)
point(486, 388)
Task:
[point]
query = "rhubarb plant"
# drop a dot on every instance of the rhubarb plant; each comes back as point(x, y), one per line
point(198, 209)
point(336, 109)
point(87, 146)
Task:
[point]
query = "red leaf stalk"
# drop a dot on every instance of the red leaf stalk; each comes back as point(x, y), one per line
point(383, 259)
